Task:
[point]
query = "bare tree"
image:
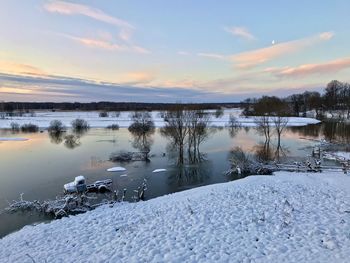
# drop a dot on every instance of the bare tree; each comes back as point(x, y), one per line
point(280, 125)
point(198, 122)
point(263, 126)
point(177, 128)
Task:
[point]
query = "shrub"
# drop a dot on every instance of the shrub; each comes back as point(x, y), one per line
point(113, 127)
point(29, 128)
point(15, 126)
point(103, 114)
point(80, 125)
point(56, 126)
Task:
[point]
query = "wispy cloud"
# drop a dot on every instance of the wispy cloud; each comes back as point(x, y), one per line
point(20, 68)
point(213, 55)
point(329, 67)
point(240, 32)
point(125, 28)
point(67, 8)
point(107, 45)
point(253, 58)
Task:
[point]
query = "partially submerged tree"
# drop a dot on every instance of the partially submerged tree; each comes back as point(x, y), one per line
point(280, 125)
point(263, 126)
point(176, 128)
point(56, 126)
point(80, 126)
point(142, 128)
point(198, 122)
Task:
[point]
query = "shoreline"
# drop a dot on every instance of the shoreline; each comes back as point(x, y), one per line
point(287, 217)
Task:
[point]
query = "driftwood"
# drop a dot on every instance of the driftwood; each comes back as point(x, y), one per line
point(73, 203)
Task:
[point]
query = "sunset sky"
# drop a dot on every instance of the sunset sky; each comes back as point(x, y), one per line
point(170, 51)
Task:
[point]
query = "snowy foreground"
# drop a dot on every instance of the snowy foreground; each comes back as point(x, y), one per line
point(43, 119)
point(289, 217)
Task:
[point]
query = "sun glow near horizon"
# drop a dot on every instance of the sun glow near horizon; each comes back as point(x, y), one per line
point(102, 50)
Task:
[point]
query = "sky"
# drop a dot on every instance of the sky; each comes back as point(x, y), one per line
point(170, 50)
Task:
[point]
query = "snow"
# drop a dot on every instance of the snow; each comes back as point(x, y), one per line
point(289, 217)
point(4, 139)
point(116, 169)
point(159, 170)
point(341, 156)
point(43, 119)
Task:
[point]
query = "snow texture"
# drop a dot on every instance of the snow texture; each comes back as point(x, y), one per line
point(340, 156)
point(288, 217)
point(43, 119)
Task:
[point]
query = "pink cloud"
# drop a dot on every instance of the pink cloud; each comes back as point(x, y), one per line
point(67, 8)
point(19, 68)
point(310, 69)
point(108, 45)
point(254, 58)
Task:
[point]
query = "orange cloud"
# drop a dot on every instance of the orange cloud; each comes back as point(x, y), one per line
point(241, 32)
point(309, 69)
point(253, 58)
point(18, 68)
point(15, 90)
point(102, 44)
point(138, 77)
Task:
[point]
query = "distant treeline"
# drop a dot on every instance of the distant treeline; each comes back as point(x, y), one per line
point(106, 106)
point(335, 100)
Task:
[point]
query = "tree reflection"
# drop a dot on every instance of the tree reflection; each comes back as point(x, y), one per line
point(142, 130)
point(263, 152)
point(56, 137)
point(190, 175)
point(71, 141)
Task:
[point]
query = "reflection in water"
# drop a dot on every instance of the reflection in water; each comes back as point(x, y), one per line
point(142, 130)
point(71, 141)
point(187, 176)
point(56, 137)
point(332, 131)
point(263, 152)
point(233, 131)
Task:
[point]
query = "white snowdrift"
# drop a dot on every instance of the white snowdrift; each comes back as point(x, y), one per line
point(289, 217)
point(43, 119)
point(159, 170)
point(116, 169)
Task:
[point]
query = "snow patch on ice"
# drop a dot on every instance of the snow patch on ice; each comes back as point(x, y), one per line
point(159, 170)
point(116, 169)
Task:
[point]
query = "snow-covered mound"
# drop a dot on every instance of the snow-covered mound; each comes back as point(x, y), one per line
point(289, 217)
point(43, 119)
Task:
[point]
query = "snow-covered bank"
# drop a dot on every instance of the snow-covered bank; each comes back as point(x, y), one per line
point(289, 217)
point(43, 119)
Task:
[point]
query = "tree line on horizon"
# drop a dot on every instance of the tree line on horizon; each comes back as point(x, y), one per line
point(335, 100)
point(336, 97)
